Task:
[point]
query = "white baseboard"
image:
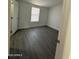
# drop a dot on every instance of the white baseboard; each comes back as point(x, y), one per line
point(53, 28)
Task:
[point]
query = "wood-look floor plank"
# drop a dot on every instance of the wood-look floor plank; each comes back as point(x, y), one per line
point(39, 42)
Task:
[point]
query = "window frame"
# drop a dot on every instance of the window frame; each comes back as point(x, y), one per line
point(37, 16)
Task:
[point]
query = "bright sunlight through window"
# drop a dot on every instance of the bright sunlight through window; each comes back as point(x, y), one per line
point(35, 14)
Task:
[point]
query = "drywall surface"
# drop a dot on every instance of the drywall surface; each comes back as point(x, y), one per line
point(25, 15)
point(55, 15)
point(15, 17)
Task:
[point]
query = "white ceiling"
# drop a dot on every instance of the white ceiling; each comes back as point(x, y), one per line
point(45, 3)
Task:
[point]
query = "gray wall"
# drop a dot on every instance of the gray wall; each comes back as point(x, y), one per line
point(15, 16)
point(55, 15)
point(25, 15)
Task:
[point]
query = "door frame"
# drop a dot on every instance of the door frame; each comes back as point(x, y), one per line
point(64, 34)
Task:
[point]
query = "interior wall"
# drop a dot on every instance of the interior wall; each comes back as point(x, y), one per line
point(25, 15)
point(15, 16)
point(55, 15)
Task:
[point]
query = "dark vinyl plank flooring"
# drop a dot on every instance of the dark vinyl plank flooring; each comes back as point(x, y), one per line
point(39, 42)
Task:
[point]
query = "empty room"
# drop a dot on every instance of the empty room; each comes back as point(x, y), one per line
point(36, 29)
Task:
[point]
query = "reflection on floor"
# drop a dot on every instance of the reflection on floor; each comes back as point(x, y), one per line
point(34, 43)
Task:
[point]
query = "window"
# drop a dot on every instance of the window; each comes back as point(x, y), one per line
point(35, 14)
